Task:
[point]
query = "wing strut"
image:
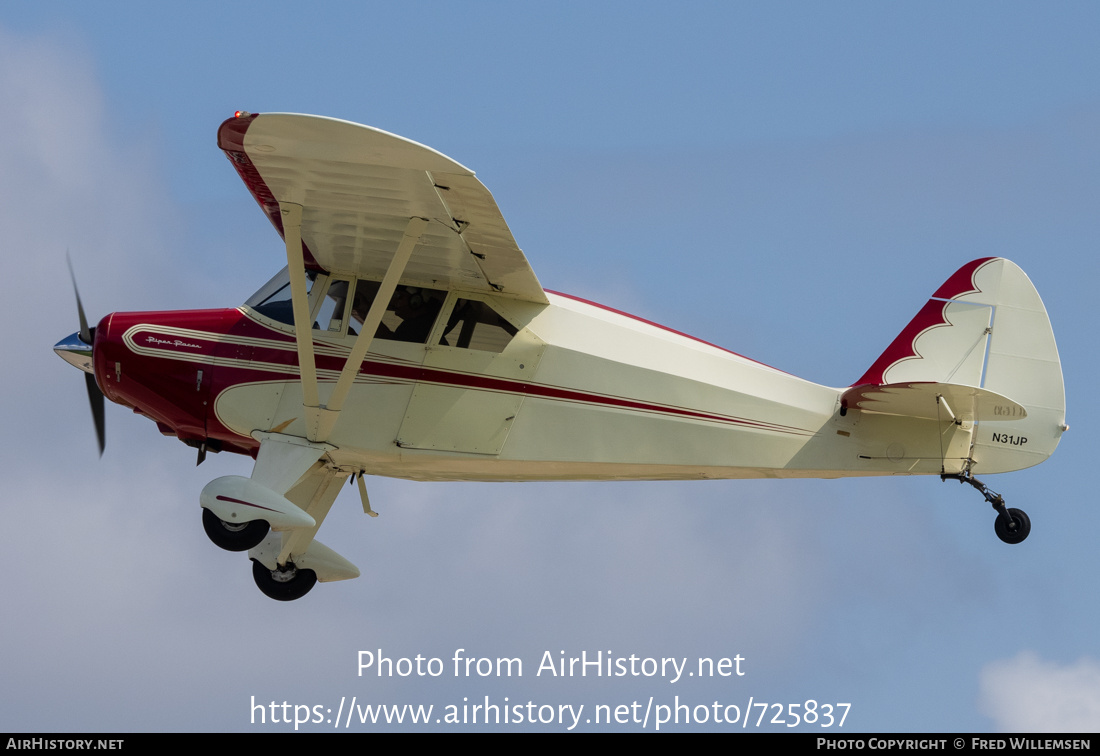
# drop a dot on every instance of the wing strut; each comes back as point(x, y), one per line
point(321, 427)
point(299, 297)
point(321, 419)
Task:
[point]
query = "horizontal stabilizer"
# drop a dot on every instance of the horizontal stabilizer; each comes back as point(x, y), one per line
point(933, 401)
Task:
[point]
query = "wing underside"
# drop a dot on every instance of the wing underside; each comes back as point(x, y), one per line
point(359, 186)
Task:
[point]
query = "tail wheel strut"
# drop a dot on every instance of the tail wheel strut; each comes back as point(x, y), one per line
point(1011, 525)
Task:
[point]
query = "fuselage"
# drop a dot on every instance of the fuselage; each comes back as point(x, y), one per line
point(579, 392)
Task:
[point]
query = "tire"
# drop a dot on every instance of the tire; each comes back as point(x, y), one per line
point(1023, 526)
point(283, 585)
point(232, 537)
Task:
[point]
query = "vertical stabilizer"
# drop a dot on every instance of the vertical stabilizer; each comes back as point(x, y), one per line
point(987, 327)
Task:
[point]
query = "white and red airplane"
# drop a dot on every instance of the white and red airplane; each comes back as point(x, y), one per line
point(409, 337)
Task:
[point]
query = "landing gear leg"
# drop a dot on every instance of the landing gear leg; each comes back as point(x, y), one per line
point(1011, 525)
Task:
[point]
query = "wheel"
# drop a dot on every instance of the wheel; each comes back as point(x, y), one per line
point(231, 537)
point(1022, 522)
point(286, 584)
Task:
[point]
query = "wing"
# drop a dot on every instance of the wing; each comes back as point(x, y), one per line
point(358, 188)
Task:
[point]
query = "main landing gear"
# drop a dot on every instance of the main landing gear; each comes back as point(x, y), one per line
point(233, 536)
point(286, 583)
point(1012, 525)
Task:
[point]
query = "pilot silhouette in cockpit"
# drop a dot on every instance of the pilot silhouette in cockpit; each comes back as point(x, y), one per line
point(416, 308)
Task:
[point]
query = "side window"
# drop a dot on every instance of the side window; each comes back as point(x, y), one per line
point(329, 316)
point(409, 316)
point(476, 325)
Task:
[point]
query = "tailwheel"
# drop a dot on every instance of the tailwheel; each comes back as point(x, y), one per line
point(233, 536)
point(1013, 526)
point(286, 583)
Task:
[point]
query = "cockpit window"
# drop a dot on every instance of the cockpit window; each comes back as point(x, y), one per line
point(476, 325)
point(409, 316)
point(272, 300)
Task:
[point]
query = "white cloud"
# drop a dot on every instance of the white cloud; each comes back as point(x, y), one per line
point(66, 182)
point(1028, 694)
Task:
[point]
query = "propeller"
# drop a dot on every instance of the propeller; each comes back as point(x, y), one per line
point(77, 350)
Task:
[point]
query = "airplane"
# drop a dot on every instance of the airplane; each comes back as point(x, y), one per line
point(408, 336)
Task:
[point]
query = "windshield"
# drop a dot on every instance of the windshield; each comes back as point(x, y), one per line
point(272, 300)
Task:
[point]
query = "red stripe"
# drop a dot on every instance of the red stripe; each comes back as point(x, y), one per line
point(286, 362)
point(246, 503)
point(478, 382)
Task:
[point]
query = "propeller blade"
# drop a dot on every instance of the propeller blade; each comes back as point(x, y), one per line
point(74, 353)
point(95, 398)
point(85, 332)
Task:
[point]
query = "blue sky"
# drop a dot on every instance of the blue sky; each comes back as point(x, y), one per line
point(788, 180)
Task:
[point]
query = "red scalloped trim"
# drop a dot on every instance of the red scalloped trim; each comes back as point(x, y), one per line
point(903, 347)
